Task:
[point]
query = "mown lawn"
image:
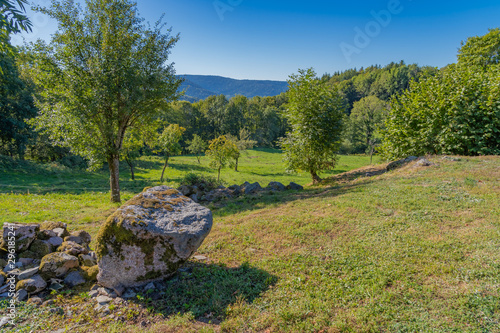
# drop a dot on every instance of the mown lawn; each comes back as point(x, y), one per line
point(416, 249)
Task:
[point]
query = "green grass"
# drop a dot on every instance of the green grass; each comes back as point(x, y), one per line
point(413, 250)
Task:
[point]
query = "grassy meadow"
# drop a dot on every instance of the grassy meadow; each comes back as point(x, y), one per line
point(412, 250)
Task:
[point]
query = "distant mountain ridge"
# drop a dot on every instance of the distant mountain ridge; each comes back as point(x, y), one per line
point(199, 87)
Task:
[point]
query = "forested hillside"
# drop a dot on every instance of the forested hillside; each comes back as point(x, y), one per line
point(199, 87)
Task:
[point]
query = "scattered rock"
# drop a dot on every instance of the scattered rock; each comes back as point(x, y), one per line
point(72, 248)
point(55, 241)
point(149, 286)
point(74, 279)
point(87, 260)
point(451, 158)
point(28, 273)
point(25, 234)
point(57, 311)
point(21, 295)
point(2, 280)
point(129, 294)
point(276, 186)
point(56, 286)
point(236, 189)
point(294, 186)
point(422, 162)
point(48, 302)
point(32, 285)
point(397, 164)
point(103, 299)
point(57, 264)
point(185, 190)
point(35, 301)
point(83, 235)
point(4, 321)
point(26, 261)
point(93, 293)
point(200, 257)
point(150, 237)
point(252, 188)
point(41, 248)
point(59, 228)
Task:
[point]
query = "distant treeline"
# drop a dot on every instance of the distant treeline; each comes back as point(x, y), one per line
point(259, 117)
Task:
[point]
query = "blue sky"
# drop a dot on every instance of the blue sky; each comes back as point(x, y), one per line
point(269, 40)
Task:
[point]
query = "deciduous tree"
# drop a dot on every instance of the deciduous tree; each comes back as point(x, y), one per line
point(168, 143)
point(103, 73)
point(221, 151)
point(315, 113)
point(197, 146)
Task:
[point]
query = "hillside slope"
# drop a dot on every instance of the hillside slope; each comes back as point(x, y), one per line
point(411, 250)
point(198, 87)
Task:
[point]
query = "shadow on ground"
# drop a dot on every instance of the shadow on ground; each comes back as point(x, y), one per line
point(206, 290)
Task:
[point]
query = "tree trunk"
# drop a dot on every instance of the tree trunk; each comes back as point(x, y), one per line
point(236, 166)
point(315, 177)
point(131, 167)
point(164, 167)
point(198, 157)
point(371, 155)
point(114, 177)
point(218, 175)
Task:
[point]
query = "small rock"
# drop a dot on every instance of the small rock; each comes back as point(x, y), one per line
point(185, 190)
point(55, 241)
point(149, 286)
point(4, 320)
point(2, 280)
point(252, 188)
point(57, 264)
point(129, 294)
point(35, 300)
point(58, 311)
point(103, 299)
point(26, 261)
point(74, 279)
point(48, 302)
point(423, 163)
point(21, 295)
point(119, 290)
point(32, 285)
point(93, 293)
point(9, 268)
point(294, 186)
point(56, 286)
point(83, 235)
point(18, 264)
point(60, 232)
point(25, 234)
point(45, 234)
point(72, 248)
point(87, 260)
point(28, 273)
point(194, 197)
point(95, 287)
point(200, 257)
point(276, 186)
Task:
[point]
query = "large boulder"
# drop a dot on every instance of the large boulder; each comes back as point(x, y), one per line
point(149, 237)
point(24, 235)
point(252, 188)
point(276, 186)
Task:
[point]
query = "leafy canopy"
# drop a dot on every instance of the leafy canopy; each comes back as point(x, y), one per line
point(221, 151)
point(103, 73)
point(314, 112)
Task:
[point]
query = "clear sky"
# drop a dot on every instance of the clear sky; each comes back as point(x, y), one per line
point(269, 40)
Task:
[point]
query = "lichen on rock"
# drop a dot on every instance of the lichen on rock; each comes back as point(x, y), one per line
point(149, 237)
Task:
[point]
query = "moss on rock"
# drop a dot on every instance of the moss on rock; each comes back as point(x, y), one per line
point(90, 273)
point(57, 264)
point(40, 248)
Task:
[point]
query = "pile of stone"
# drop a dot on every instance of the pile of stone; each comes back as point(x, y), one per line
point(198, 193)
point(47, 257)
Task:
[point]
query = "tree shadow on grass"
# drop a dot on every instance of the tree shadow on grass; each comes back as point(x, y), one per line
point(206, 290)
